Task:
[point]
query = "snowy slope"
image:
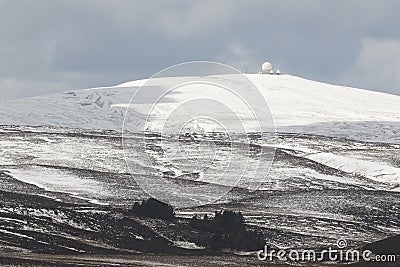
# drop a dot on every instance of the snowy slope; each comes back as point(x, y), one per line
point(297, 105)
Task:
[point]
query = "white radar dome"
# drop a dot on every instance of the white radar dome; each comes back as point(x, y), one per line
point(266, 67)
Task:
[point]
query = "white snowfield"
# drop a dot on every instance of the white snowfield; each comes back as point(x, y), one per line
point(297, 106)
point(376, 171)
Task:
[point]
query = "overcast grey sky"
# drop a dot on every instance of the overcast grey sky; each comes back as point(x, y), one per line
point(55, 45)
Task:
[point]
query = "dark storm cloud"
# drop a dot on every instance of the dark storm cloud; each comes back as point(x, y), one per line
point(49, 46)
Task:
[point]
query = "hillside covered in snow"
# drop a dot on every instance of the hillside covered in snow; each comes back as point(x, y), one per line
point(297, 106)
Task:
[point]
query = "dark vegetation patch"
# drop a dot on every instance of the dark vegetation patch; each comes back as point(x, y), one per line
point(152, 208)
point(229, 231)
point(388, 246)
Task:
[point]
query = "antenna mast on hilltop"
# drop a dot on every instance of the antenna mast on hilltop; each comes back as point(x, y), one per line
point(244, 67)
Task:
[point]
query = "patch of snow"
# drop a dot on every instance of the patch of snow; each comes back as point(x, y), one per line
point(373, 170)
point(138, 237)
point(187, 245)
point(61, 181)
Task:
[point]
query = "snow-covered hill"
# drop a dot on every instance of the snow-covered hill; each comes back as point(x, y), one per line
point(297, 105)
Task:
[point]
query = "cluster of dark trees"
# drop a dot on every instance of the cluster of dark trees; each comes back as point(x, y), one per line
point(152, 208)
point(229, 231)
